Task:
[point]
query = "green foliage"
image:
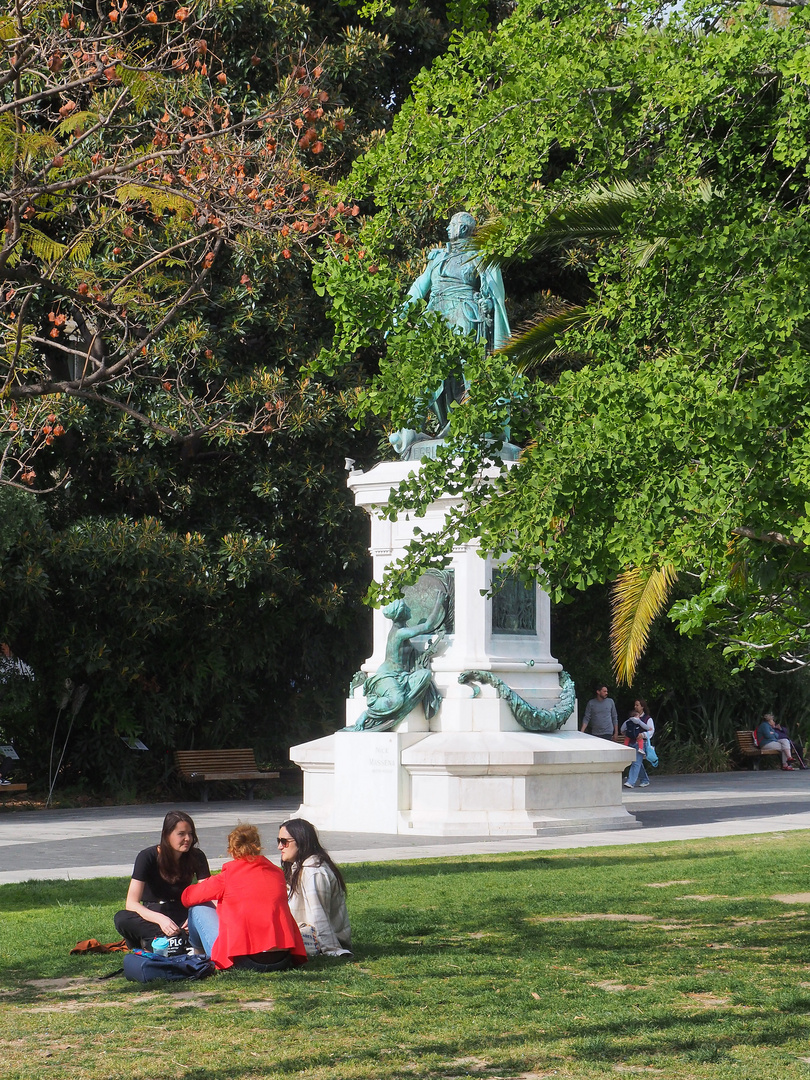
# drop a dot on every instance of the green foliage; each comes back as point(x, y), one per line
point(667, 161)
point(196, 561)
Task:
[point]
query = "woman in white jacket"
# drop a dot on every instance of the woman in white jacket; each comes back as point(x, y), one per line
point(315, 889)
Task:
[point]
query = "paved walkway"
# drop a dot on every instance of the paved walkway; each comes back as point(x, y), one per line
point(103, 841)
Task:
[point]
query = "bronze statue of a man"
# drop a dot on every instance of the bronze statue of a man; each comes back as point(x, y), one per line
point(469, 295)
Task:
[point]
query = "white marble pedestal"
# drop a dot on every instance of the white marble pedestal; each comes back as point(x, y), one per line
point(472, 770)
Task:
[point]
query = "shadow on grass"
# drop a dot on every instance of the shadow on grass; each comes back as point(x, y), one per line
point(702, 1040)
point(477, 864)
point(27, 895)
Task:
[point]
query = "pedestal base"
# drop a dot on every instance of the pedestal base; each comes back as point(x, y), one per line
point(471, 769)
point(492, 783)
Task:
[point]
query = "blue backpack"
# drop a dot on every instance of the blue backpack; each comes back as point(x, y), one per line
point(143, 967)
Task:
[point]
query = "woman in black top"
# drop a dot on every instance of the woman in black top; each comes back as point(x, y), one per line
point(158, 878)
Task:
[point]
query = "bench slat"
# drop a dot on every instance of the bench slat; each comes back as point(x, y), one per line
point(216, 761)
point(746, 744)
point(749, 749)
point(236, 774)
point(204, 766)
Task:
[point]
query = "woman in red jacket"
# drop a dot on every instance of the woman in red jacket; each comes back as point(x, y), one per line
point(252, 926)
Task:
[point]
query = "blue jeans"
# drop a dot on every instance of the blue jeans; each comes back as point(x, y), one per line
point(203, 927)
point(637, 771)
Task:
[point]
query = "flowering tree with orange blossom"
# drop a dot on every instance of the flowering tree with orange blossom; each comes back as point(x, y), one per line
point(133, 170)
point(180, 539)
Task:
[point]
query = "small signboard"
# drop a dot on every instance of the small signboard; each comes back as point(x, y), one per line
point(133, 743)
point(9, 752)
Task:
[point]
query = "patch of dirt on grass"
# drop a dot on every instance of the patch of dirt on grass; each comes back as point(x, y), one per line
point(709, 1001)
point(190, 999)
point(710, 896)
point(472, 1064)
point(729, 945)
point(607, 917)
point(81, 1006)
point(183, 999)
point(65, 983)
point(664, 884)
point(636, 1069)
point(530, 1075)
point(792, 898)
point(259, 1006)
point(615, 987)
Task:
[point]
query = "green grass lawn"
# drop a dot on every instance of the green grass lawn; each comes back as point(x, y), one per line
point(674, 961)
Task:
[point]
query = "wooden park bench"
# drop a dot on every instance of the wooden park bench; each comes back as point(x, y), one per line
point(12, 789)
point(749, 749)
point(205, 766)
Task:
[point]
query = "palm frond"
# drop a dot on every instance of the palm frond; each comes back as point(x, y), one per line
point(535, 341)
point(643, 252)
point(597, 215)
point(638, 596)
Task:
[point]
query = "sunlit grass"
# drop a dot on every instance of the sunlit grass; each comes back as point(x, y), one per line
point(501, 966)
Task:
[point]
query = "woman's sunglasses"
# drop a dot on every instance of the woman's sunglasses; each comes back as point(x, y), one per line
point(282, 841)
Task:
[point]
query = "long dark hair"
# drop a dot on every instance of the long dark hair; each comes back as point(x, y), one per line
point(178, 869)
point(305, 836)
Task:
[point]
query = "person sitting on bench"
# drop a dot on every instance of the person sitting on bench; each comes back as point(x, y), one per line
point(796, 747)
point(768, 738)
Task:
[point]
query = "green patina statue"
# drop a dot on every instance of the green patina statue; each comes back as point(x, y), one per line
point(404, 679)
point(469, 295)
point(528, 716)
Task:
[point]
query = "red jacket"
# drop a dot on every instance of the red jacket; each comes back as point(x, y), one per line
point(254, 915)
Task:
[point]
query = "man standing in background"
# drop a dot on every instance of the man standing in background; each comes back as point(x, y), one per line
point(600, 717)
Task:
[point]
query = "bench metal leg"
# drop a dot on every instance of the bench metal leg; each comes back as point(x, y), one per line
point(204, 793)
point(250, 792)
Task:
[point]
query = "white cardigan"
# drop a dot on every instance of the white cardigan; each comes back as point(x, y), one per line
point(320, 902)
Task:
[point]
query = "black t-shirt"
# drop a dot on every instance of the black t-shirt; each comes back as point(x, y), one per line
point(156, 887)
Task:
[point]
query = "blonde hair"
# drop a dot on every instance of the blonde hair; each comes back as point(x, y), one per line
point(244, 842)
